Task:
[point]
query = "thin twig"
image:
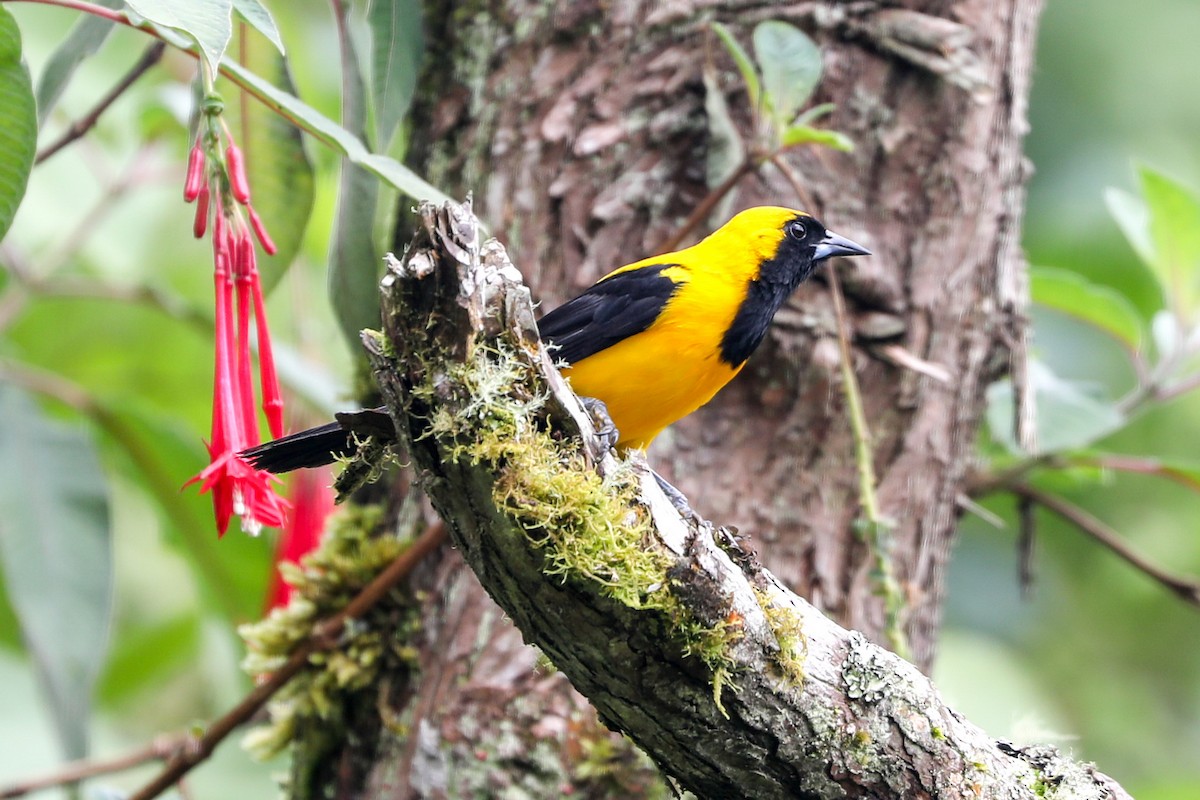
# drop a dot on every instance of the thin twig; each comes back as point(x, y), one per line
point(984, 482)
point(854, 405)
point(700, 212)
point(85, 123)
point(324, 636)
point(1185, 588)
point(806, 201)
point(877, 528)
point(76, 771)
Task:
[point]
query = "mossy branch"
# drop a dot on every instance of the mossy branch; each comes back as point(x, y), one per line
point(734, 685)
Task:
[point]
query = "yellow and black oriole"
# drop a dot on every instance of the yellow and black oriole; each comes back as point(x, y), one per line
point(654, 340)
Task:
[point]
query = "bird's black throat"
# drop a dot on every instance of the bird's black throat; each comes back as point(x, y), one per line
point(776, 280)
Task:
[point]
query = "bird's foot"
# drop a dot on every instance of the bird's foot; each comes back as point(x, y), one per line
point(677, 498)
point(606, 431)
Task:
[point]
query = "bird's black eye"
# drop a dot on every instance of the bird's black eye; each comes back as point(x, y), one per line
point(797, 230)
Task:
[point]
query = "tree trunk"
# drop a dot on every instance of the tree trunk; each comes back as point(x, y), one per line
point(580, 127)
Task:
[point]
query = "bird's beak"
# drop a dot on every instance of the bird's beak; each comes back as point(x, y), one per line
point(834, 245)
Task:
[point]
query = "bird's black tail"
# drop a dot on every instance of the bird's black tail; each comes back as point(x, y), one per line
point(317, 447)
point(314, 447)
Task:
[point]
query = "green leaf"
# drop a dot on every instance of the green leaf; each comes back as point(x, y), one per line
point(82, 41)
point(207, 22)
point(791, 68)
point(1071, 294)
point(1174, 235)
point(744, 65)
point(1067, 417)
point(397, 44)
point(148, 655)
point(1133, 218)
point(56, 549)
point(158, 454)
point(802, 134)
point(280, 172)
point(354, 264)
point(18, 122)
point(333, 135)
point(261, 20)
point(726, 151)
point(815, 113)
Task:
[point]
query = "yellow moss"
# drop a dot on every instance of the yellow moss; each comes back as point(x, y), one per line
point(350, 555)
point(788, 629)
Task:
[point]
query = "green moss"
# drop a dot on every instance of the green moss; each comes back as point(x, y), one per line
point(350, 555)
point(592, 530)
point(788, 629)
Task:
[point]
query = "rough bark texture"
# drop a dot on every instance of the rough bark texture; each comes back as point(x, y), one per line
point(580, 128)
point(802, 707)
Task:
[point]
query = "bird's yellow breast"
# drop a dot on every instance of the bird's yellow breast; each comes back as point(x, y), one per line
point(667, 371)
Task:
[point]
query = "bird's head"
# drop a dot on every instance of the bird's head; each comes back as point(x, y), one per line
point(767, 252)
point(785, 244)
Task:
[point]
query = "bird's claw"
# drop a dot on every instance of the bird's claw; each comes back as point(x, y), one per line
point(676, 497)
point(606, 431)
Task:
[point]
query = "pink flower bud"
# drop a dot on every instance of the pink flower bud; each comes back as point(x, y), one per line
point(195, 182)
point(200, 224)
point(260, 231)
point(239, 184)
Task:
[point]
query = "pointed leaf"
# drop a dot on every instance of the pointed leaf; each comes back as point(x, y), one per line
point(1133, 218)
point(791, 68)
point(280, 172)
point(815, 113)
point(257, 15)
point(744, 64)
point(1067, 417)
point(18, 122)
point(354, 266)
point(56, 549)
point(1072, 294)
point(802, 134)
point(353, 263)
point(337, 137)
point(82, 42)
point(1174, 234)
point(1167, 335)
point(725, 149)
point(208, 22)
point(397, 44)
point(148, 655)
point(156, 451)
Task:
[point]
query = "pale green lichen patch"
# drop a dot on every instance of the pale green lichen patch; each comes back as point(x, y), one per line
point(349, 557)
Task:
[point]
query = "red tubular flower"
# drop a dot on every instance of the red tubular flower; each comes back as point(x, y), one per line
point(197, 177)
point(312, 502)
point(239, 185)
point(237, 488)
point(200, 223)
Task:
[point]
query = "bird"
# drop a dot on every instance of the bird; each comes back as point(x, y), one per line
point(653, 340)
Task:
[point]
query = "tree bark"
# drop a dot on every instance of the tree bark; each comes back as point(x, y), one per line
point(580, 127)
point(735, 686)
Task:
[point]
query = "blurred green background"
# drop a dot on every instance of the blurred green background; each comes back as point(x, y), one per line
point(1099, 660)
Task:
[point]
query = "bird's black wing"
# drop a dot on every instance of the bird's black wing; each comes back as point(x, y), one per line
point(610, 311)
